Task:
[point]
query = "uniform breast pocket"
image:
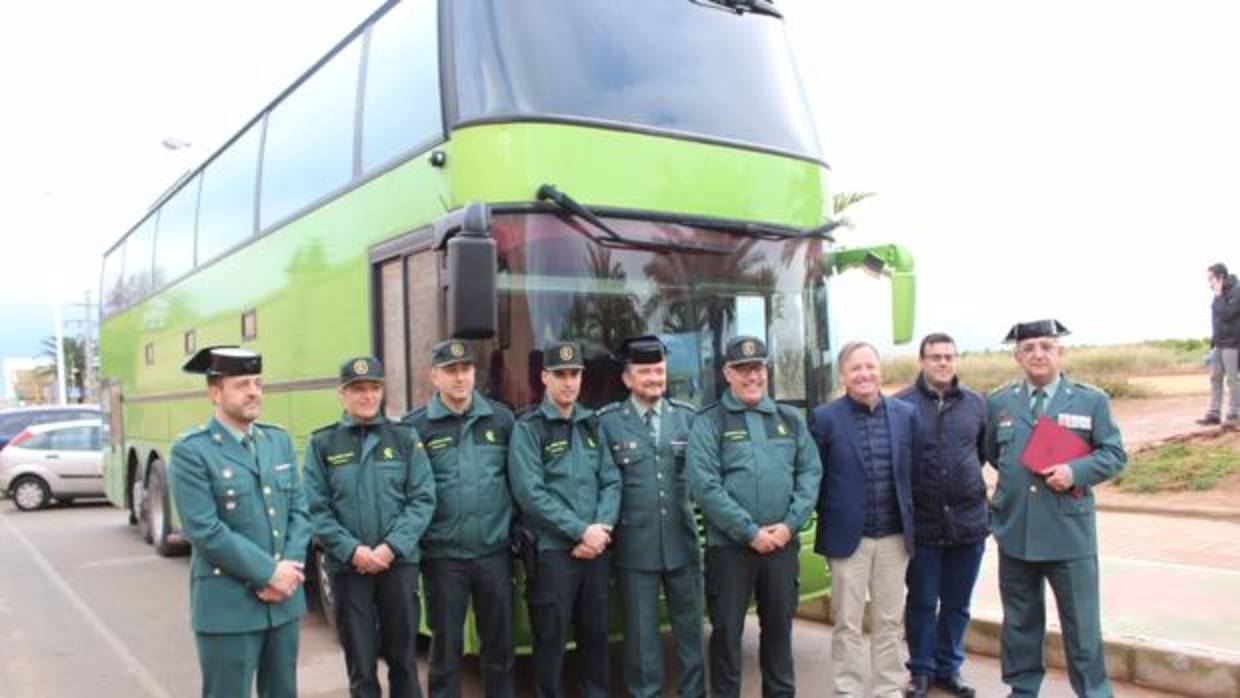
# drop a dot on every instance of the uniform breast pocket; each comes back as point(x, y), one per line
point(392, 475)
point(233, 502)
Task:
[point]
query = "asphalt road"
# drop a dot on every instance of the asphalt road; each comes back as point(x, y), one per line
point(87, 609)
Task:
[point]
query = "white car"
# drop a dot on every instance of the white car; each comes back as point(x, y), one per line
point(57, 460)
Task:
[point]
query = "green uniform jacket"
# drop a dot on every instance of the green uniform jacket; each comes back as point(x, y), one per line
point(751, 467)
point(657, 530)
point(368, 484)
point(1032, 522)
point(562, 478)
point(469, 456)
point(242, 513)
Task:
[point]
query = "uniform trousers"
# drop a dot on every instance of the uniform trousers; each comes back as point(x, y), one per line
point(734, 575)
point(449, 585)
point(876, 567)
point(1075, 585)
point(569, 592)
point(643, 646)
point(390, 601)
point(231, 661)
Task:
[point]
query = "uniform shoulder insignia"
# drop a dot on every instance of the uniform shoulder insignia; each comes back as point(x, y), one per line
point(682, 404)
point(707, 408)
point(412, 416)
point(529, 414)
point(609, 407)
point(325, 428)
point(998, 391)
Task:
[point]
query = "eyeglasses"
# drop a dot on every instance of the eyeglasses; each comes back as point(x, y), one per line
point(936, 358)
point(1035, 347)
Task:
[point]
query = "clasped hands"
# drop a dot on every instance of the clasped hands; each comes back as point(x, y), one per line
point(289, 575)
point(768, 539)
point(593, 542)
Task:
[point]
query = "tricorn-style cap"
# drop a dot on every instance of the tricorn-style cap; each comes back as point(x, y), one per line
point(1038, 328)
point(451, 351)
point(647, 349)
point(558, 355)
point(224, 360)
point(361, 368)
point(744, 349)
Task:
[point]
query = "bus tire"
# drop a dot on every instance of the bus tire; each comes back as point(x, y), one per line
point(324, 592)
point(140, 509)
point(159, 513)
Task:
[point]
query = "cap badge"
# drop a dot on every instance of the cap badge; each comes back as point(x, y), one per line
point(566, 353)
point(457, 350)
point(360, 367)
point(748, 348)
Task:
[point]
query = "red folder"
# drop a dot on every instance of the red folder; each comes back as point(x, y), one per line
point(1052, 444)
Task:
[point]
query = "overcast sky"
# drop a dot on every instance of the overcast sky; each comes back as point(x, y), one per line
point(1066, 159)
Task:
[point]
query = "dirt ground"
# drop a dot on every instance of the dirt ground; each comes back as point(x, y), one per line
point(1150, 422)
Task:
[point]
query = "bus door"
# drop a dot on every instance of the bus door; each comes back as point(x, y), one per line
point(406, 324)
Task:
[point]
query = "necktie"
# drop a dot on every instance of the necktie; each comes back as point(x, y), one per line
point(248, 442)
point(1039, 402)
point(649, 419)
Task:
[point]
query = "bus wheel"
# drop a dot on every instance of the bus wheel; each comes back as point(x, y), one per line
point(140, 509)
point(325, 593)
point(159, 514)
point(30, 493)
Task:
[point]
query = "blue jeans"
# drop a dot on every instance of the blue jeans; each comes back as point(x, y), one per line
point(940, 584)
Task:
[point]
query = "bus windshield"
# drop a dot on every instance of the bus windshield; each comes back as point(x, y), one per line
point(668, 65)
point(555, 283)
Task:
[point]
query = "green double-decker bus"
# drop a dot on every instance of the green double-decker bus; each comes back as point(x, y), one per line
point(507, 171)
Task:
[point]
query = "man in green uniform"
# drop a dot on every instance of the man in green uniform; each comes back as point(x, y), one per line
point(236, 487)
point(754, 470)
point(371, 496)
point(1044, 523)
point(466, 548)
point(656, 541)
point(568, 491)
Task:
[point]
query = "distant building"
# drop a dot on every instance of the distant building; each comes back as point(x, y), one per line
point(27, 382)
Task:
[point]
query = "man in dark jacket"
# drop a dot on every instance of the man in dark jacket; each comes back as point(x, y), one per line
point(868, 445)
point(1225, 312)
point(951, 518)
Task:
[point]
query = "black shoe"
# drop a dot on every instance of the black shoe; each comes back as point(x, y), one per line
point(955, 685)
point(919, 687)
point(1209, 419)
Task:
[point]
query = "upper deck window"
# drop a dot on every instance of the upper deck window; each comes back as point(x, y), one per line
point(308, 152)
point(174, 242)
point(401, 108)
point(111, 290)
point(139, 258)
point(226, 210)
point(673, 66)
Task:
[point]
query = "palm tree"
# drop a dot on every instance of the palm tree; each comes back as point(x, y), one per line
point(843, 200)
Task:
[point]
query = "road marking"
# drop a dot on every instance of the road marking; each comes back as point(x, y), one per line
point(118, 561)
point(131, 663)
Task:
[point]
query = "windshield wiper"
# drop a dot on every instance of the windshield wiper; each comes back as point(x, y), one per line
point(548, 192)
point(740, 7)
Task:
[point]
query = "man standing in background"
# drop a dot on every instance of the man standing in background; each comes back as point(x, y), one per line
point(1225, 341)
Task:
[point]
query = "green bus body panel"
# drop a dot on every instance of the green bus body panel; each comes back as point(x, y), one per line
point(309, 280)
point(599, 167)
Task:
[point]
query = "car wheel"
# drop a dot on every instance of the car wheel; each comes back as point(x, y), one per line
point(30, 493)
point(159, 514)
point(326, 594)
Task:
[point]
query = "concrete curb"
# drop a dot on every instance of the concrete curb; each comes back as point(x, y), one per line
point(1214, 513)
point(1163, 666)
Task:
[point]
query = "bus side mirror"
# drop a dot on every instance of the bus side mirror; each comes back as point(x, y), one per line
point(471, 275)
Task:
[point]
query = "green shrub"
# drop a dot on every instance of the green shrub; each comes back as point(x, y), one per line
point(1178, 466)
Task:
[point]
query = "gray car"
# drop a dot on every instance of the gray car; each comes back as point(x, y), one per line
point(58, 460)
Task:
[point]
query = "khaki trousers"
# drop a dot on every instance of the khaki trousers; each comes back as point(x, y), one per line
point(877, 567)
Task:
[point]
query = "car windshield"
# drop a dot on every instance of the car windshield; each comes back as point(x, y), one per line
point(556, 283)
point(668, 65)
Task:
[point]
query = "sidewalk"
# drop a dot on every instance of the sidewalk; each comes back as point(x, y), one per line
point(1170, 603)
